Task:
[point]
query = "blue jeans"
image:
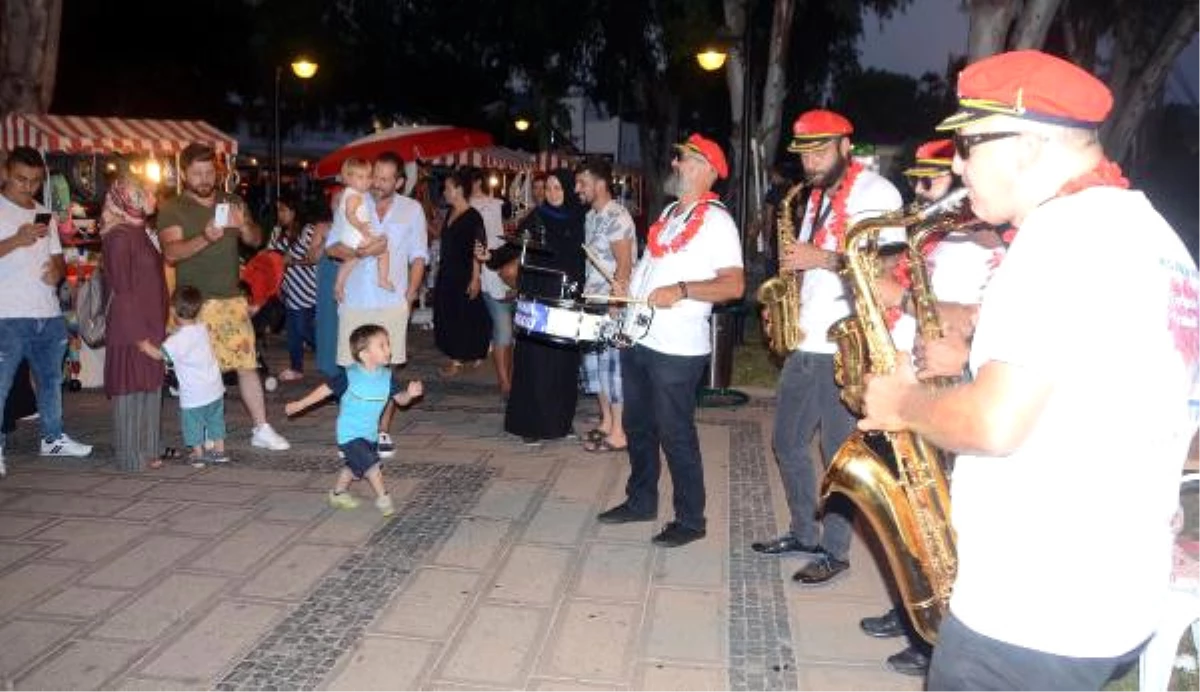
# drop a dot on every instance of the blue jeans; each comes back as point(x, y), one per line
point(327, 317)
point(43, 342)
point(808, 399)
point(967, 660)
point(300, 331)
point(660, 408)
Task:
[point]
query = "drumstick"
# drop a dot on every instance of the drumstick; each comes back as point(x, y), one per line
point(614, 299)
point(596, 262)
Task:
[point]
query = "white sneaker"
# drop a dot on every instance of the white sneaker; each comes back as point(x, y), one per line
point(384, 504)
point(265, 436)
point(64, 446)
point(387, 448)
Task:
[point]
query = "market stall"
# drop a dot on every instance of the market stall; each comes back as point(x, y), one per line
point(82, 155)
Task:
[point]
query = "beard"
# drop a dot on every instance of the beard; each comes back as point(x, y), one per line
point(203, 190)
point(673, 185)
point(830, 177)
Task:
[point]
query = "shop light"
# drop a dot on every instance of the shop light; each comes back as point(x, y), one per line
point(153, 171)
point(493, 181)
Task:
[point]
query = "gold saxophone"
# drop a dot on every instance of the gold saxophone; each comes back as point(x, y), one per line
point(780, 294)
point(894, 478)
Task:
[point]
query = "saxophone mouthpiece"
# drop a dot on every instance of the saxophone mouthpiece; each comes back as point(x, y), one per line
point(943, 205)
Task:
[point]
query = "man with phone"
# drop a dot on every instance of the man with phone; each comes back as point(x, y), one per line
point(204, 250)
point(31, 322)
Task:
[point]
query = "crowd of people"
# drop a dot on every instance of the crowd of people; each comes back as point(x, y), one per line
point(1067, 413)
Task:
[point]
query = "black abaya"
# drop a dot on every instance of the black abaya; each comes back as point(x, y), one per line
point(461, 327)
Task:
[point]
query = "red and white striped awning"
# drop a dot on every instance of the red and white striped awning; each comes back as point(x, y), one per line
point(550, 160)
point(69, 134)
point(488, 157)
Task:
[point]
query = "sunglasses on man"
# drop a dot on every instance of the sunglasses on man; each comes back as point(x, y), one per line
point(964, 143)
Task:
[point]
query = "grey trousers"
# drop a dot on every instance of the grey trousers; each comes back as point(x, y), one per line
point(137, 419)
point(808, 400)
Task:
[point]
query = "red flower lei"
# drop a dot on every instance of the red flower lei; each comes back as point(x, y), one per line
point(695, 219)
point(836, 225)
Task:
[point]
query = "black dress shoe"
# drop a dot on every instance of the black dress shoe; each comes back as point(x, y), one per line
point(622, 514)
point(821, 570)
point(885, 626)
point(785, 544)
point(675, 535)
point(911, 661)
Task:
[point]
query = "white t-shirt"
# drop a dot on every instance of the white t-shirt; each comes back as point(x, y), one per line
point(23, 294)
point(1064, 546)
point(343, 230)
point(195, 366)
point(683, 329)
point(959, 269)
point(492, 211)
point(823, 294)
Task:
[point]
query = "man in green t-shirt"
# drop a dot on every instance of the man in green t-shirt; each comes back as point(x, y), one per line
point(205, 255)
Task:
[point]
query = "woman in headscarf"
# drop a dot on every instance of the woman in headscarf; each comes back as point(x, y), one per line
point(462, 329)
point(546, 375)
point(133, 273)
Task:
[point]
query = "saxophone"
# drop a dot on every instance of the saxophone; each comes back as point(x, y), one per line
point(894, 478)
point(780, 295)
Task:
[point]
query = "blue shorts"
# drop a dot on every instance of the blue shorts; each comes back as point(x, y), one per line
point(360, 455)
point(602, 371)
point(501, 313)
point(202, 423)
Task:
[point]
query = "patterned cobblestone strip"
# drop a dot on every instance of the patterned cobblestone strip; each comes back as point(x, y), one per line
point(301, 651)
point(760, 638)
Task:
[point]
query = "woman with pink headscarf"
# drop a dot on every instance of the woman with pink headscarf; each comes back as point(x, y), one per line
point(133, 272)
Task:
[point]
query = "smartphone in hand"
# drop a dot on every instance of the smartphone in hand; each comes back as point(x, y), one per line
point(42, 218)
point(221, 215)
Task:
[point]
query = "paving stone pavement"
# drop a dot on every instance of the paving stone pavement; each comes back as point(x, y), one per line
point(493, 574)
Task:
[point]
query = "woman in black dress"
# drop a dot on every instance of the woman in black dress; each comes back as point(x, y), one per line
point(461, 327)
point(546, 375)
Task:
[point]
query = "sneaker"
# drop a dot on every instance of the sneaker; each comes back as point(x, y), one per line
point(342, 500)
point(265, 436)
point(384, 504)
point(387, 448)
point(290, 375)
point(64, 446)
point(212, 456)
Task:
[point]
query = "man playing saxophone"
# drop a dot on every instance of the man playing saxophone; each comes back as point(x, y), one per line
point(842, 191)
point(959, 264)
point(1072, 432)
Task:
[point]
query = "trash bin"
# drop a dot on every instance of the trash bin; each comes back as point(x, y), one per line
point(725, 335)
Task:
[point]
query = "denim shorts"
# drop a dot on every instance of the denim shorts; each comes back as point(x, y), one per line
point(202, 423)
point(361, 455)
point(501, 312)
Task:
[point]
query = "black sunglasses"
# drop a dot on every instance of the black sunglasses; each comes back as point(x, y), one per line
point(964, 143)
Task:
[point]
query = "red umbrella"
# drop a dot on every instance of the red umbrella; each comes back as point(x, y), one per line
point(422, 142)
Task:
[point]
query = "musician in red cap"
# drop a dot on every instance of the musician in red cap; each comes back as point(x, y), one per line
point(840, 192)
point(1084, 398)
point(693, 258)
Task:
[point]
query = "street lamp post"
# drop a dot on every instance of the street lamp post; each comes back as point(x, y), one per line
point(303, 68)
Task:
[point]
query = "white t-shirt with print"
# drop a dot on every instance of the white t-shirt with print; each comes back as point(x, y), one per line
point(1064, 546)
point(683, 329)
point(823, 294)
point(492, 211)
point(23, 294)
point(602, 228)
point(195, 366)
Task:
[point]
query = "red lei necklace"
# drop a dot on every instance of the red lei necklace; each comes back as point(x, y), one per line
point(837, 224)
point(695, 218)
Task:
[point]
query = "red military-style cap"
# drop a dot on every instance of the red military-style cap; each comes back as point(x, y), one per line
point(1032, 85)
point(708, 150)
point(934, 158)
point(814, 128)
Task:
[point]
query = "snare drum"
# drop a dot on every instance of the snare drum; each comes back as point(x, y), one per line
point(560, 321)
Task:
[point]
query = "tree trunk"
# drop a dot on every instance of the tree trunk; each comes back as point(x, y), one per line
point(658, 105)
point(1033, 24)
point(990, 21)
point(1080, 33)
point(1134, 98)
point(28, 54)
point(735, 73)
point(775, 85)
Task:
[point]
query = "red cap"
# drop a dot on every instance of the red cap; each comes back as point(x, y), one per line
point(708, 150)
point(1032, 85)
point(815, 127)
point(933, 159)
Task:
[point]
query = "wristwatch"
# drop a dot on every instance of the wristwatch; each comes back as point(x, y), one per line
point(683, 293)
